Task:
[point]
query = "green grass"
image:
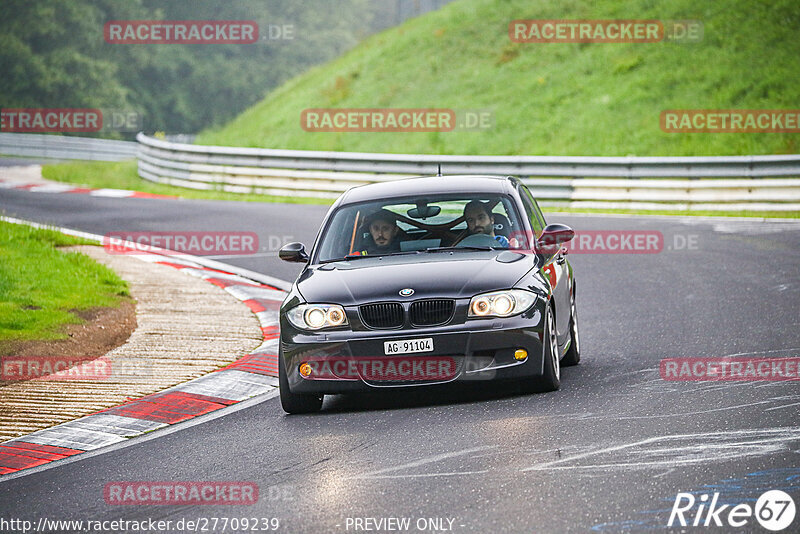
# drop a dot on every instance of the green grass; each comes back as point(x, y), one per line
point(40, 286)
point(548, 99)
point(122, 175)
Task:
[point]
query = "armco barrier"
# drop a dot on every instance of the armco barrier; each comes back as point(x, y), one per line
point(63, 147)
point(733, 182)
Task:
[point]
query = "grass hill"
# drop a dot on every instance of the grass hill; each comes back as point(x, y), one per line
point(549, 99)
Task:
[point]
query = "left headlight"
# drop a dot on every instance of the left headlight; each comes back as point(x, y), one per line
point(317, 316)
point(501, 303)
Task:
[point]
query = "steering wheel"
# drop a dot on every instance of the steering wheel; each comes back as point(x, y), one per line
point(478, 240)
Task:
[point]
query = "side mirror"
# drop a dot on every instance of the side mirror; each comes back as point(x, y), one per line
point(552, 237)
point(295, 252)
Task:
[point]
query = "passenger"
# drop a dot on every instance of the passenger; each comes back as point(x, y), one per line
point(481, 221)
point(383, 229)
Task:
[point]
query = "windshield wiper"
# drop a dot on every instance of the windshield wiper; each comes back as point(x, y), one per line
point(448, 249)
point(361, 256)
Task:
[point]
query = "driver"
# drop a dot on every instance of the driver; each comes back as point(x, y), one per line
point(382, 226)
point(481, 221)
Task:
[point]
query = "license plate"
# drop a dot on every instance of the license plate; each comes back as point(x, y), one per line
point(406, 346)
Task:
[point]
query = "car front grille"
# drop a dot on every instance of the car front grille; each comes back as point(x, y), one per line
point(383, 315)
point(431, 312)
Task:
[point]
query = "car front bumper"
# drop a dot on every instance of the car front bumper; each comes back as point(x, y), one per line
point(480, 350)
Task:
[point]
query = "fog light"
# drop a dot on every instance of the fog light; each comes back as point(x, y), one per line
point(305, 369)
point(520, 354)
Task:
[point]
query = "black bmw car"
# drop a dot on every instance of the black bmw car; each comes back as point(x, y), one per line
point(428, 281)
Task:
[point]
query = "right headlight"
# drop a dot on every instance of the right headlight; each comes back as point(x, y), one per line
point(317, 316)
point(503, 303)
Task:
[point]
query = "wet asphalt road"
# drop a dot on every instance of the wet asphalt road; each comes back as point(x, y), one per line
point(608, 452)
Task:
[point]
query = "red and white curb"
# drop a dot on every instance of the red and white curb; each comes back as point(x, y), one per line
point(55, 187)
point(253, 374)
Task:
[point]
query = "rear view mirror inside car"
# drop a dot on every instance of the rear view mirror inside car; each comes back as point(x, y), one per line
point(424, 211)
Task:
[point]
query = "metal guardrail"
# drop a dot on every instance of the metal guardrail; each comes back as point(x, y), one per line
point(734, 182)
point(62, 147)
point(574, 166)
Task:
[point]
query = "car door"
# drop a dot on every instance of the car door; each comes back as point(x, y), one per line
point(555, 268)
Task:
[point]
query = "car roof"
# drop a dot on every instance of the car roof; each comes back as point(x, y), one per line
point(428, 185)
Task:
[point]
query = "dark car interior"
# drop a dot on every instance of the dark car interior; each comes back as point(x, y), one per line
point(417, 234)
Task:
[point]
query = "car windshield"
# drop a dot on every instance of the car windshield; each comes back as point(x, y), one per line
point(421, 225)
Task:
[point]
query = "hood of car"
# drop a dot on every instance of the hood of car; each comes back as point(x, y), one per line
point(444, 274)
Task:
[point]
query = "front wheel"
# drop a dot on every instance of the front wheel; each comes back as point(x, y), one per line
point(293, 402)
point(551, 375)
point(573, 355)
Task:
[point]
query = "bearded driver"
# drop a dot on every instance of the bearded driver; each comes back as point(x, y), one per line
point(383, 229)
point(481, 221)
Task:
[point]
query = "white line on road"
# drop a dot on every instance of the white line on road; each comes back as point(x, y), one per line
point(762, 441)
point(424, 461)
point(425, 475)
point(782, 407)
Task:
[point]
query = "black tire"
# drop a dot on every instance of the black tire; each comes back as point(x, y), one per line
point(573, 355)
point(551, 376)
point(292, 402)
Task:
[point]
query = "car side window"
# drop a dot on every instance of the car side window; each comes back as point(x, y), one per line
point(539, 213)
point(532, 210)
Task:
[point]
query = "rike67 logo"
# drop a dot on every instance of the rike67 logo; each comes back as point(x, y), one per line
point(774, 510)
